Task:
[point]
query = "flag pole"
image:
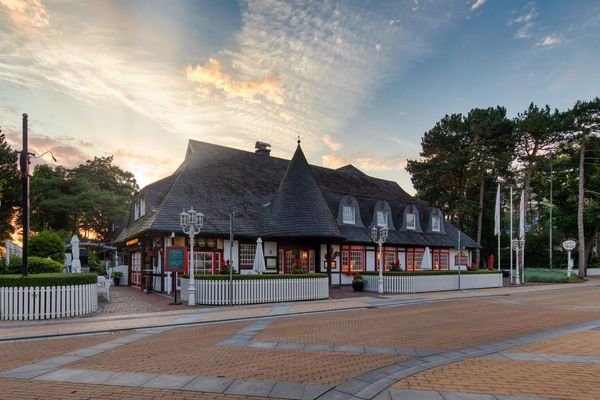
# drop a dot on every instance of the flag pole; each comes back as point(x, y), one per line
point(499, 217)
point(511, 236)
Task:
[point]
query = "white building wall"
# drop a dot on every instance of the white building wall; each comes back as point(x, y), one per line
point(402, 260)
point(227, 255)
point(370, 254)
point(270, 249)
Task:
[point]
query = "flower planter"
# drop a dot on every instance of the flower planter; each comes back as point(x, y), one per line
point(358, 286)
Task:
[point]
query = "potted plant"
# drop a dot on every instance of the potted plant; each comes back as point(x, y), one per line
point(395, 266)
point(116, 276)
point(358, 283)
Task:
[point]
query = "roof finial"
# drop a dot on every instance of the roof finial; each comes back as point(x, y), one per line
point(299, 139)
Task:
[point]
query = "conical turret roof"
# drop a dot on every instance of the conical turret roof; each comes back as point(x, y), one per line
point(298, 207)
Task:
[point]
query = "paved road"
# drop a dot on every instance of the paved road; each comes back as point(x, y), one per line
point(537, 342)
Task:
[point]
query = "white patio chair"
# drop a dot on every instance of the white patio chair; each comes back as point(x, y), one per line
point(104, 286)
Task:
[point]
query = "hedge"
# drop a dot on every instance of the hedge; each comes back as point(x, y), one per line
point(429, 273)
point(238, 277)
point(35, 280)
point(37, 265)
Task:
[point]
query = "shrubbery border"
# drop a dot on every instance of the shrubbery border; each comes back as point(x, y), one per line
point(238, 277)
point(54, 279)
point(432, 273)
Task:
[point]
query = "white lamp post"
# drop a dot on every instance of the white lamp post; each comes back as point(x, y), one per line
point(191, 223)
point(518, 245)
point(379, 236)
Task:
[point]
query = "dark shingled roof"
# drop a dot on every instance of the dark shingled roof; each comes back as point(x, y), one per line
point(298, 208)
point(277, 198)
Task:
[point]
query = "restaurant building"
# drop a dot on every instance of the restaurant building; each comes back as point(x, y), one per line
point(304, 214)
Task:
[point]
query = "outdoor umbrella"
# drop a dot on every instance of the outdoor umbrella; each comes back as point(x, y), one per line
point(259, 258)
point(426, 262)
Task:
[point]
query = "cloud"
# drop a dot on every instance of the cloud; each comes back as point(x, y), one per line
point(333, 161)
point(551, 40)
point(525, 21)
point(30, 13)
point(365, 161)
point(331, 143)
point(251, 91)
point(477, 4)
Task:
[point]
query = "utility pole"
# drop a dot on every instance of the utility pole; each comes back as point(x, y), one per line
point(24, 161)
point(551, 223)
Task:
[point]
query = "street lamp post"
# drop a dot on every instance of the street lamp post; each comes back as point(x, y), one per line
point(517, 245)
point(191, 224)
point(379, 236)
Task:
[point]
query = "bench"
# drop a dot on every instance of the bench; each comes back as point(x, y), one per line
point(104, 287)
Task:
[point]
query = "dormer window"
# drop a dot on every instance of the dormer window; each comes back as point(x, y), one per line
point(349, 214)
point(381, 218)
point(411, 221)
point(436, 222)
point(139, 208)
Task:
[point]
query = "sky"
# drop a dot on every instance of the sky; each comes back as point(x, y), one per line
point(358, 81)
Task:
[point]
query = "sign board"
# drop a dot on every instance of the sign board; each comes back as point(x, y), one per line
point(131, 242)
point(569, 244)
point(176, 259)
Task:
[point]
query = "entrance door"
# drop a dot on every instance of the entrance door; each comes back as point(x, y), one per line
point(136, 269)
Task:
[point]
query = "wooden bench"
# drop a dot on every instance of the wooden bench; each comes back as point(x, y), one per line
point(104, 286)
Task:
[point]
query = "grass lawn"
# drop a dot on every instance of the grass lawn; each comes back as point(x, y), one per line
point(550, 275)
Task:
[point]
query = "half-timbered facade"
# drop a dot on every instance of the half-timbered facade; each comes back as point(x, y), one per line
point(305, 214)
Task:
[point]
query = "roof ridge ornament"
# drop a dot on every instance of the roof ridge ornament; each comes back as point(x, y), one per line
point(299, 140)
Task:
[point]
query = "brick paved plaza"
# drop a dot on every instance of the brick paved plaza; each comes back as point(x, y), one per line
point(525, 344)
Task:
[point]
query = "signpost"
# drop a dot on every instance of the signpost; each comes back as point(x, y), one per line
point(176, 261)
point(569, 245)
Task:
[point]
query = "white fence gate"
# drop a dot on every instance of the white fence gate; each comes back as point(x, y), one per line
point(433, 283)
point(47, 302)
point(254, 291)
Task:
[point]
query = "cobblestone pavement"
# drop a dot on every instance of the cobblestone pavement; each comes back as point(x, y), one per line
point(534, 344)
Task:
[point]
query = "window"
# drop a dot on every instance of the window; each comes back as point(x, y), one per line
point(203, 262)
point(441, 259)
point(139, 208)
point(247, 253)
point(353, 258)
point(436, 222)
point(381, 218)
point(414, 258)
point(411, 221)
point(390, 258)
point(349, 215)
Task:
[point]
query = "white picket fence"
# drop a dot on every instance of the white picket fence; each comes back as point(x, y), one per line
point(433, 283)
point(47, 302)
point(254, 291)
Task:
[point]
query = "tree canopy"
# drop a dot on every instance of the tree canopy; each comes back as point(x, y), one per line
point(464, 157)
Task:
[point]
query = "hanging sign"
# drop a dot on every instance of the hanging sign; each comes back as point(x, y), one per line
point(176, 259)
point(569, 244)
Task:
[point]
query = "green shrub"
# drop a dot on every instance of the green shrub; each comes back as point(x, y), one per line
point(37, 265)
point(94, 265)
point(358, 278)
point(237, 277)
point(47, 244)
point(550, 275)
point(47, 280)
point(424, 273)
point(225, 269)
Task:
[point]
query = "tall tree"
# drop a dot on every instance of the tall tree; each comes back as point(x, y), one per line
point(491, 152)
point(82, 200)
point(440, 176)
point(586, 120)
point(9, 187)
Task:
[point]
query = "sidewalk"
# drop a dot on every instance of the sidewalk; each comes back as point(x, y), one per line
point(159, 313)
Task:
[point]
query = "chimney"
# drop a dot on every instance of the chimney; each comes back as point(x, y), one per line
point(262, 148)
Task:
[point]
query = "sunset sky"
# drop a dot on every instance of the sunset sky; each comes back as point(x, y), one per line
point(359, 81)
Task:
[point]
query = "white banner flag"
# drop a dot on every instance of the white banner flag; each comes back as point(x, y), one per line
point(522, 216)
point(497, 213)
